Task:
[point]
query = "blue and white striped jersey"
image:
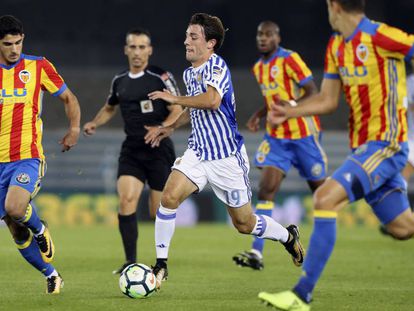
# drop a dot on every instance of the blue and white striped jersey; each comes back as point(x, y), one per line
point(214, 133)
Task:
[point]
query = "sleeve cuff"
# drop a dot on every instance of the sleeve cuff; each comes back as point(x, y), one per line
point(305, 80)
point(334, 76)
point(215, 86)
point(61, 90)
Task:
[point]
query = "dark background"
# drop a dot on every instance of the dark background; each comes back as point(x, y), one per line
point(84, 39)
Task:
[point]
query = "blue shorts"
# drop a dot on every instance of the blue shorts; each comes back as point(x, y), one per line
point(306, 154)
point(26, 174)
point(372, 172)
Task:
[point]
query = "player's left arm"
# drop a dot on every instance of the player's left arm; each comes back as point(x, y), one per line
point(73, 113)
point(211, 99)
point(300, 73)
point(394, 42)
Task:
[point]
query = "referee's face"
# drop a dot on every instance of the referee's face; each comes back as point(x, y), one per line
point(138, 49)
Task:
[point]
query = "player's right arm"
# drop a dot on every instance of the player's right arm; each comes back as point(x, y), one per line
point(105, 114)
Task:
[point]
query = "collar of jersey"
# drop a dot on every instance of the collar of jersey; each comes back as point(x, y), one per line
point(14, 65)
point(361, 24)
point(136, 75)
point(203, 64)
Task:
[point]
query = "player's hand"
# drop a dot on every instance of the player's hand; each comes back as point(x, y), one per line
point(253, 124)
point(157, 133)
point(70, 139)
point(164, 95)
point(89, 128)
point(278, 112)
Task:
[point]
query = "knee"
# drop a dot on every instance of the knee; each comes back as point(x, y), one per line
point(322, 201)
point(401, 233)
point(169, 200)
point(14, 209)
point(125, 199)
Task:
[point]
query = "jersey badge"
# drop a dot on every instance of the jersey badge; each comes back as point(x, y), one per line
point(24, 76)
point(146, 106)
point(316, 170)
point(260, 157)
point(274, 71)
point(23, 178)
point(362, 52)
point(217, 72)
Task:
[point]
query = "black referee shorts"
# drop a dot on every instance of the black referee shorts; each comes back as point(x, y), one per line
point(151, 165)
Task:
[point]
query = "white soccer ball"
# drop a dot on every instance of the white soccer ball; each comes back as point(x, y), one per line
point(137, 281)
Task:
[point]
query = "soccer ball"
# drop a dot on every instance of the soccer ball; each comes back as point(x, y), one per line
point(137, 281)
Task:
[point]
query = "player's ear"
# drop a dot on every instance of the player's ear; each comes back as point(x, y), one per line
point(125, 49)
point(211, 43)
point(150, 50)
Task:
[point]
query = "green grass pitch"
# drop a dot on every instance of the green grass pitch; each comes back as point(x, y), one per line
point(366, 272)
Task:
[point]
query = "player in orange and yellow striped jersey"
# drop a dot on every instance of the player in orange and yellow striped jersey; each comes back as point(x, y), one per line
point(365, 59)
point(282, 74)
point(23, 79)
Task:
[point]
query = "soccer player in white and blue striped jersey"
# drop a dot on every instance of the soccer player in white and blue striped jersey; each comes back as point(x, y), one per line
point(216, 152)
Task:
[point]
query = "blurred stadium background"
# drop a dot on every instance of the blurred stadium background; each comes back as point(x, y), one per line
point(85, 42)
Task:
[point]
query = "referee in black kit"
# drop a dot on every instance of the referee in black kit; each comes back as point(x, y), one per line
point(138, 162)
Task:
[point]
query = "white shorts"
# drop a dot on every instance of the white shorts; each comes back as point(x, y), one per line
point(411, 151)
point(228, 177)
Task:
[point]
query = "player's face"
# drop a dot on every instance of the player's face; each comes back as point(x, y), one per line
point(267, 39)
point(11, 49)
point(138, 49)
point(197, 49)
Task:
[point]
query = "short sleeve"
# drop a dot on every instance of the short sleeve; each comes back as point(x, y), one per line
point(297, 69)
point(394, 42)
point(330, 68)
point(50, 80)
point(217, 75)
point(113, 97)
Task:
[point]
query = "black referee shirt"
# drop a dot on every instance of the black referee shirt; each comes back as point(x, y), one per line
point(131, 93)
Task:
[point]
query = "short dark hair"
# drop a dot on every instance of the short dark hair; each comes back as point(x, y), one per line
point(138, 31)
point(212, 25)
point(10, 25)
point(352, 5)
point(275, 26)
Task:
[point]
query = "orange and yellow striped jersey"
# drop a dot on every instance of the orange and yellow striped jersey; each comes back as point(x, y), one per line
point(21, 91)
point(370, 65)
point(283, 76)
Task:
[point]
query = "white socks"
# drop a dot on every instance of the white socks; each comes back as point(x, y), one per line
point(268, 228)
point(164, 230)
